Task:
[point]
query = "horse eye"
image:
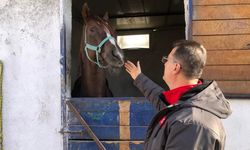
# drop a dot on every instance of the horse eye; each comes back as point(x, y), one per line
point(93, 29)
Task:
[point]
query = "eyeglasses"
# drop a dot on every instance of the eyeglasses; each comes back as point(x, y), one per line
point(164, 59)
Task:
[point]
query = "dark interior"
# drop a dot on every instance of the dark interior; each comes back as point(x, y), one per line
point(163, 20)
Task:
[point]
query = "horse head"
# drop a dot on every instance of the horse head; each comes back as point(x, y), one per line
point(101, 47)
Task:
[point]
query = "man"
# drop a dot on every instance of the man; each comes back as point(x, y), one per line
point(190, 113)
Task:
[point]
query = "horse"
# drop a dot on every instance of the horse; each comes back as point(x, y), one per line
point(99, 54)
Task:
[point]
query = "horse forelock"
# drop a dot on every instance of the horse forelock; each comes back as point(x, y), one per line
point(101, 22)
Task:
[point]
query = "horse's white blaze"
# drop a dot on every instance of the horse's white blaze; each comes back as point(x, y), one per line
point(120, 55)
point(113, 42)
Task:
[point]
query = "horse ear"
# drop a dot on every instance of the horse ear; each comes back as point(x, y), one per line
point(85, 11)
point(106, 16)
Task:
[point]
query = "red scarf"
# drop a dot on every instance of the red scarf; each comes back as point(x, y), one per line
point(173, 96)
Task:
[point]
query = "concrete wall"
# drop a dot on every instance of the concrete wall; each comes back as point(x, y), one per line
point(30, 51)
point(238, 125)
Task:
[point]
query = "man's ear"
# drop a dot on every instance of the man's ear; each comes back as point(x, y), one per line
point(106, 16)
point(177, 68)
point(85, 11)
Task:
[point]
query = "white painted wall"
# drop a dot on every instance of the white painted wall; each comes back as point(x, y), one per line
point(238, 125)
point(30, 51)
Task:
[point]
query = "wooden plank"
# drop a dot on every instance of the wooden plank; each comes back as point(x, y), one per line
point(221, 12)
point(109, 145)
point(110, 104)
point(222, 42)
point(113, 112)
point(111, 118)
point(108, 132)
point(219, 2)
point(96, 118)
point(228, 57)
point(95, 104)
point(219, 27)
point(139, 118)
point(86, 126)
point(102, 132)
point(230, 73)
point(235, 87)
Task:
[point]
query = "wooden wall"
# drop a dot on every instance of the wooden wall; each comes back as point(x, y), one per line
point(223, 27)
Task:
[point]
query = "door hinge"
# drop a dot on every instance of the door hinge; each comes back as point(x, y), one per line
point(63, 131)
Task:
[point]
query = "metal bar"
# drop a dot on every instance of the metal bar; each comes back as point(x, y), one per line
point(62, 131)
point(63, 77)
point(237, 96)
point(1, 105)
point(150, 28)
point(85, 125)
point(189, 29)
point(128, 15)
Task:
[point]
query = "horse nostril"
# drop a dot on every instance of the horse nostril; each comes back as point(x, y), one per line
point(122, 63)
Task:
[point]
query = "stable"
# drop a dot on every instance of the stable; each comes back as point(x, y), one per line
point(39, 46)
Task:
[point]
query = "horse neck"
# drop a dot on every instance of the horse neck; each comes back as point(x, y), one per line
point(93, 77)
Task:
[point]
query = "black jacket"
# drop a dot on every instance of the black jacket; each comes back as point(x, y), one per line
point(193, 124)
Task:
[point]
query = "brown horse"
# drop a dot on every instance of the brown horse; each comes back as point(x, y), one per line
point(99, 52)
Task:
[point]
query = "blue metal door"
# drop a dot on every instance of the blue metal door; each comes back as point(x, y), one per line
point(119, 123)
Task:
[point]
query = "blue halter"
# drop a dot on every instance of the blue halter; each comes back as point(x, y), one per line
point(97, 49)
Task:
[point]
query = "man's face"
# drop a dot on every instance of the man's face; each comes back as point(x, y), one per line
point(169, 67)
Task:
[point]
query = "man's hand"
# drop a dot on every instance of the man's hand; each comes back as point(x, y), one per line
point(133, 70)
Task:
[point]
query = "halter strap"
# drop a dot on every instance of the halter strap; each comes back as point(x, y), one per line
point(97, 49)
